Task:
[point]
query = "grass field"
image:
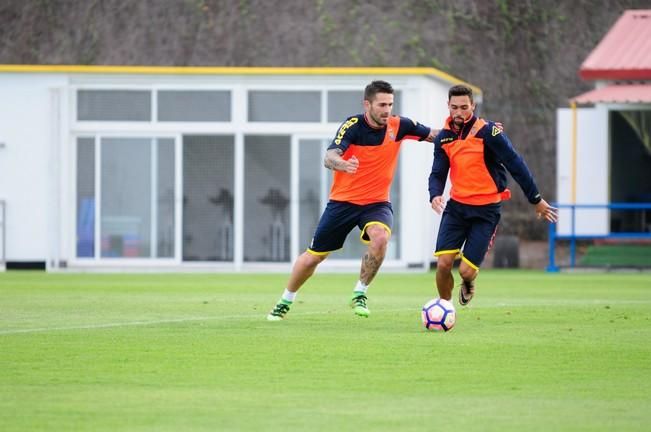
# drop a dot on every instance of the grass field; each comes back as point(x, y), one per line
point(170, 352)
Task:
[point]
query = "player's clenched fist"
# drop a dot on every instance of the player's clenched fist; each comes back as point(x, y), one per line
point(352, 164)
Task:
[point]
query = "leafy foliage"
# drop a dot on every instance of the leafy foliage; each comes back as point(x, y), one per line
point(523, 54)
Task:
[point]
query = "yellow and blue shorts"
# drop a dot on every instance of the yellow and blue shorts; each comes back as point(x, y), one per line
point(468, 230)
point(339, 219)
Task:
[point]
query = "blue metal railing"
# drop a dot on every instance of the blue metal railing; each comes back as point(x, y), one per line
point(573, 236)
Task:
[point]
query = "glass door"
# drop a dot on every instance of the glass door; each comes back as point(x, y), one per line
point(125, 197)
point(311, 188)
point(208, 197)
point(267, 178)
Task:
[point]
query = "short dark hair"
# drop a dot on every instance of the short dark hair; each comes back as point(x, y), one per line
point(376, 87)
point(460, 90)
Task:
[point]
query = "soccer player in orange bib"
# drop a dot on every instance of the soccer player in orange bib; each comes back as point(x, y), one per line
point(363, 156)
point(476, 153)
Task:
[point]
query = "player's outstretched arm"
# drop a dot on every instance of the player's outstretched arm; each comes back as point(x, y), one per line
point(432, 135)
point(544, 210)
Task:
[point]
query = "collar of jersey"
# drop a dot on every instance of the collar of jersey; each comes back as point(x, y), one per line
point(464, 129)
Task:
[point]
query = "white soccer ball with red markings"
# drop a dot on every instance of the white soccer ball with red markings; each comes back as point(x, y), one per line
point(439, 315)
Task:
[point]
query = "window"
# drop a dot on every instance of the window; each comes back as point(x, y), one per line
point(284, 106)
point(114, 105)
point(208, 197)
point(311, 191)
point(194, 106)
point(85, 197)
point(137, 197)
point(345, 103)
point(266, 198)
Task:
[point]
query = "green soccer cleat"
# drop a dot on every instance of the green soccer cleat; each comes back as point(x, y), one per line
point(279, 311)
point(358, 303)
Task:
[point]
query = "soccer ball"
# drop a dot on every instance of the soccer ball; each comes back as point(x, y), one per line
point(438, 314)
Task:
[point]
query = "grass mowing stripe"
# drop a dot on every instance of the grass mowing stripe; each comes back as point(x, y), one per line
point(541, 303)
point(174, 320)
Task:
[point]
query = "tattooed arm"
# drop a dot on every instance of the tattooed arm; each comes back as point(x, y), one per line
point(432, 135)
point(335, 162)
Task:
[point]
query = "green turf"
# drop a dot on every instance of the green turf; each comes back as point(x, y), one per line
point(533, 352)
point(620, 255)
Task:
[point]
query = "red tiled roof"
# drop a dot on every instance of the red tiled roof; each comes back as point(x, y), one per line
point(625, 52)
point(633, 93)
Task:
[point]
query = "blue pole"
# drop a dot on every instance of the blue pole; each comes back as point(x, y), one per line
point(551, 267)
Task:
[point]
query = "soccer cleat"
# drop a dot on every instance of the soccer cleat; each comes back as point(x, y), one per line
point(358, 303)
point(466, 292)
point(279, 311)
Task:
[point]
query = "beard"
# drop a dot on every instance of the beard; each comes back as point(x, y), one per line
point(458, 121)
point(379, 119)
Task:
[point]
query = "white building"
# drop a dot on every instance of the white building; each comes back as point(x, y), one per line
point(604, 138)
point(194, 167)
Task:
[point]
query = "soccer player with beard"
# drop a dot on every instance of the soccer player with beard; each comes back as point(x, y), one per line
point(363, 156)
point(476, 153)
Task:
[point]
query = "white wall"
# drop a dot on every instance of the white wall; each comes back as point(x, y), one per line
point(37, 161)
point(427, 105)
point(592, 169)
point(26, 131)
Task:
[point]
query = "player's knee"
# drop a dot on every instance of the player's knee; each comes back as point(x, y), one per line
point(312, 260)
point(467, 272)
point(379, 237)
point(380, 242)
point(445, 262)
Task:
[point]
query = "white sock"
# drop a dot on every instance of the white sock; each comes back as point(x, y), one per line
point(288, 296)
point(360, 287)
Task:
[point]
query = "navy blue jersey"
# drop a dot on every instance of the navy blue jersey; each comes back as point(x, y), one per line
point(355, 130)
